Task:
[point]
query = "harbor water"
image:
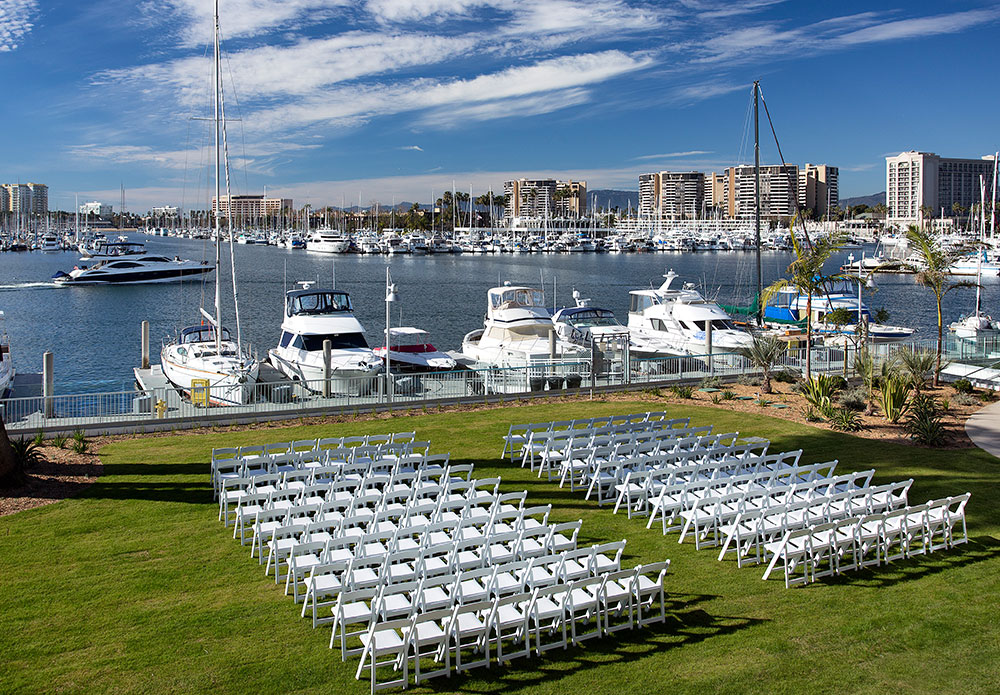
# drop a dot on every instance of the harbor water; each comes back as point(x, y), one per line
point(94, 331)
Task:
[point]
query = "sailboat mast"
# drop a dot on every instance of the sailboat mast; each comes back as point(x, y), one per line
point(756, 200)
point(218, 193)
point(982, 240)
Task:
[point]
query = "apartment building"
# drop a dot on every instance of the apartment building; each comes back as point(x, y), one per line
point(249, 206)
point(672, 195)
point(544, 198)
point(778, 190)
point(919, 180)
point(819, 188)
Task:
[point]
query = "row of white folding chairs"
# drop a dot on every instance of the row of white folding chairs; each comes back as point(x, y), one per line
point(472, 520)
point(340, 481)
point(307, 445)
point(252, 466)
point(423, 592)
point(634, 480)
point(476, 499)
point(553, 446)
point(456, 574)
point(512, 627)
point(718, 507)
point(612, 465)
point(675, 500)
point(824, 550)
point(539, 442)
point(641, 487)
point(517, 435)
point(751, 531)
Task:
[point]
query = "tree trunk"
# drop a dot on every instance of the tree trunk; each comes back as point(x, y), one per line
point(937, 369)
point(809, 325)
point(765, 387)
point(8, 467)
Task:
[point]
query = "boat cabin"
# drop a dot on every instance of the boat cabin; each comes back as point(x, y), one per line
point(508, 297)
point(316, 302)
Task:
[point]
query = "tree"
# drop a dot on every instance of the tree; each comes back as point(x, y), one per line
point(764, 352)
point(932, 271)
point(880, 210)
point(806, 276)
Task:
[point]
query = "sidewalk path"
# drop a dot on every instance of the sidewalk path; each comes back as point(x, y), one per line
point(983, 429)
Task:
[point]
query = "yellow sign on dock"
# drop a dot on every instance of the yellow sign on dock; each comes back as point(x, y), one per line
point(200, 392)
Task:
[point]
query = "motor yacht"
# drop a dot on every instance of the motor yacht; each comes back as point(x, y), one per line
point(50, 243)
point(140, 270)
point(6, 363)
point(518, 331)
point(674, 321)
point(410, 350)
point(312, 316)
point(328, 241)
point(791, 306)
point(584, 325)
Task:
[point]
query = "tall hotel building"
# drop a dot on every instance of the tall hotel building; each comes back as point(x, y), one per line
point(250, 206)
point(25, 198)
point(914, 180)
point(672, 195)
point(544, 198)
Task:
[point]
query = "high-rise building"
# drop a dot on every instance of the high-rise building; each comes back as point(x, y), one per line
point(544, 198)
point(819, 188)
point(918, 181)
point(4, 199)
point(718, 191)
point(250, 206)
point(778, 190)
point(672, 195)
point(39, 198)
point(25, 198)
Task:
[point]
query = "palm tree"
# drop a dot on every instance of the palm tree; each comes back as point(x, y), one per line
point(932, 272)
point(764, 353)
point(806, 276)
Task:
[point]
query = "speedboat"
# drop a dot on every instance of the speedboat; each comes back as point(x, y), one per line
point(199, 355)
point(50, 242)
point(410, 350)
point(144, 269)
point(120, 250)
point(675, 321)
point(328, 241)
point(6, 363)
point(584, 325)
point(518, 331)
point(313, 316)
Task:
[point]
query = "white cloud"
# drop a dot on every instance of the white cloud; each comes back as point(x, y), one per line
point(411, 148)
point(671, 155)
point(920, 27)
point(255, 158)
point(16, 18)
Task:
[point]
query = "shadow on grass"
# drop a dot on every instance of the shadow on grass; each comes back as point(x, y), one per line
point(685, 625)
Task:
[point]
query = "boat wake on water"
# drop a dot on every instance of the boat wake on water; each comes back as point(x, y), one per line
point(28, 286)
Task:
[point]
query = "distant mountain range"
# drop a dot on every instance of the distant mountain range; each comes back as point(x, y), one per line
point(609, 198)
point(869, 200)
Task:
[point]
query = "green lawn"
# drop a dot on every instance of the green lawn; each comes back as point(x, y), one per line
point(134, 585)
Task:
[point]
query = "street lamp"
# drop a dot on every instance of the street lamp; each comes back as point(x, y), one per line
point(390, 297)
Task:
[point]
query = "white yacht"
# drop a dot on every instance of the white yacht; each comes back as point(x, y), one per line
point(328, 241)
point(518, 331)
point(118, 250)
point(139, 270)
point(410, 350)
point(674, 321)
point(206, 354)
point(311, 317)
point(50, 242)
point(6, 363)
point(199, 353)
point(584, 324)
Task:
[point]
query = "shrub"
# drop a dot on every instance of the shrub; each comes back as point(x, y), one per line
point(710, 382)
point(39, 439)
point(728, 395)
point(59, 441)
point(26, 455)
point(965, 399)
point(917, 364)
point(810, 414)
point(716, 399)
point(988, 396)
point(854, 399)
point(80, 443)
point(945, 405)
point(846, 420)
point(819, 390)
point(683, 391)
point(762, 402)
point(924, 422)
point(893, 395)
point(748, 380)
point(963, 386)
point(785, 377)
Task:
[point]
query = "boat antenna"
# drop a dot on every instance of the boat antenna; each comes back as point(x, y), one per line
point(284, 278)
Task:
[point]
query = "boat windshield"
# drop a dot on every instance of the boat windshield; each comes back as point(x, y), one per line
point(517, 297)
point(593, 317)
point(717, 325)
point(315, 303)
point(339, 341)
point(202, 334)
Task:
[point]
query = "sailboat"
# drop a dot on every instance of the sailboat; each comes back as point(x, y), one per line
point(979, 326)
point(206, 352)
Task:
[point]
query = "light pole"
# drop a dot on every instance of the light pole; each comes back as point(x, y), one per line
point(390, 297)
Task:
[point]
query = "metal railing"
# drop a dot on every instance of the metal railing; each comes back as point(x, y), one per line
point(157, 408)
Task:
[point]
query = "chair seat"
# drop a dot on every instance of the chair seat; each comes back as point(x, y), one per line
point(384, 640)
point(428, 632)
point(356, 612)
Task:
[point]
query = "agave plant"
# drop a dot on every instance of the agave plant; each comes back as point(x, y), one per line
point(894, 398)
point(819, 391)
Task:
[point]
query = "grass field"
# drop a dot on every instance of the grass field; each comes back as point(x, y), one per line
point(134, 586)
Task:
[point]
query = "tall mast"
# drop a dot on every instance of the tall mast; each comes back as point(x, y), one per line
point(218, 193)
point(982, 240)
point(756, 200)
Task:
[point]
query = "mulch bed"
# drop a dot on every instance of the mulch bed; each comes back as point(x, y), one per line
point(65, 474)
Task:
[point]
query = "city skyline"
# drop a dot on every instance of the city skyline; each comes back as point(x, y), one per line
point(394, 99)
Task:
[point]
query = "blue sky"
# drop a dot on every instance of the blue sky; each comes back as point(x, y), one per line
point(393, 99)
